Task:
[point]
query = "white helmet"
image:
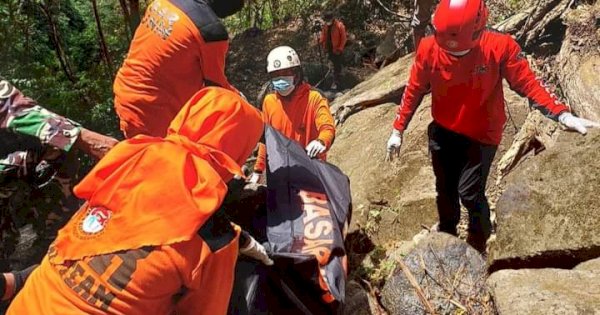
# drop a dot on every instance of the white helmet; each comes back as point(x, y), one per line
point(282, 57)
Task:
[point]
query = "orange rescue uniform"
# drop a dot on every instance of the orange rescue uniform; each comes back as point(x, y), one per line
point(179, 47)
point(149, 239)
point(338, 37)
point(303, 116)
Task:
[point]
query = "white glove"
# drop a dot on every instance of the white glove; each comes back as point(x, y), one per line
point(575, 123)
point(255, 178)
point(394, 144)
point(256, 251)
point(315, 148)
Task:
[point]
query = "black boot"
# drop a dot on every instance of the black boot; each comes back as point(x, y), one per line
point(478, 241)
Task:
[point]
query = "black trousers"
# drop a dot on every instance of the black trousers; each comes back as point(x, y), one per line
point(337, 61)
point(461, 166)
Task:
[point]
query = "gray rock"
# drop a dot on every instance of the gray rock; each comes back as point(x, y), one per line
point(401, 250)
point(455, 271)
point(545, 292)
point(385, 86)
point(357, 300)
point(548, 214)
point(401, 192)
point(590, 265)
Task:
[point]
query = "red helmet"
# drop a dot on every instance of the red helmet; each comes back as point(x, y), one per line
point(458, 24)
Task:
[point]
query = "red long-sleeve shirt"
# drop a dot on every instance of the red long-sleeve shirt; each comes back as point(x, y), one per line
point(467, 95)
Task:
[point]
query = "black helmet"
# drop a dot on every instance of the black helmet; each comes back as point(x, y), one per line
point(225, 8)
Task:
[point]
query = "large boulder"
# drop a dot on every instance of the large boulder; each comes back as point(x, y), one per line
point(398, 195)
point(590, 265)
point(548, 214)
point(450, 273)
point(537, 133)
point(547, 291)
point(385, 86)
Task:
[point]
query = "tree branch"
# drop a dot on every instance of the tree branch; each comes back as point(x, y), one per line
point(402, 17)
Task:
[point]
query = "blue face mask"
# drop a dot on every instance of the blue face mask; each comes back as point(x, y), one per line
point(284, 85)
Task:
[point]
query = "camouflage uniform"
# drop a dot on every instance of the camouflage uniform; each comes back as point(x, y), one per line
point(36, 169)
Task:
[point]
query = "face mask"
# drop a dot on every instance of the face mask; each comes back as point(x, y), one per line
point(284, 85)
point(459, 53)
point(225, 8)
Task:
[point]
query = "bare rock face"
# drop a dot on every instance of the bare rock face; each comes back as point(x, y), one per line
point(590, 265)
point(385, 86)
point(399, 196)
point(547, 291)
point(450, 273)
point(548, 214)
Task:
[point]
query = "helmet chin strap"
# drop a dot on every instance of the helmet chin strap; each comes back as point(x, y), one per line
point(459, 53)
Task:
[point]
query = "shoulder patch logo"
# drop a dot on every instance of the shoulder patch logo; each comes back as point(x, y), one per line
point(160, 20)
point(96, 219)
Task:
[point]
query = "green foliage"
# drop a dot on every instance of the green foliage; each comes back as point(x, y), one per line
point(33, 31)
point(377, 268)
point(373, 220)
point(265, 14)
point(51, 48)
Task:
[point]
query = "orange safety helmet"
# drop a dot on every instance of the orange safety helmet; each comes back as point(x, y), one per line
point(458, 24)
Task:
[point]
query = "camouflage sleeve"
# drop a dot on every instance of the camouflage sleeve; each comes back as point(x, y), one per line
point(21, 115)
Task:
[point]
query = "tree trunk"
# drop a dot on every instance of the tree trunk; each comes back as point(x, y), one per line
point(102, 41)
point(126, 18)
point(134, 14)
point(545, 12)
point(274, 4)
point(27, 33)
point(56, 41)
point(6, 37)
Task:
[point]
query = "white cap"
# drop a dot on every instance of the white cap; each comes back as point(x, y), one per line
point(282, 57)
